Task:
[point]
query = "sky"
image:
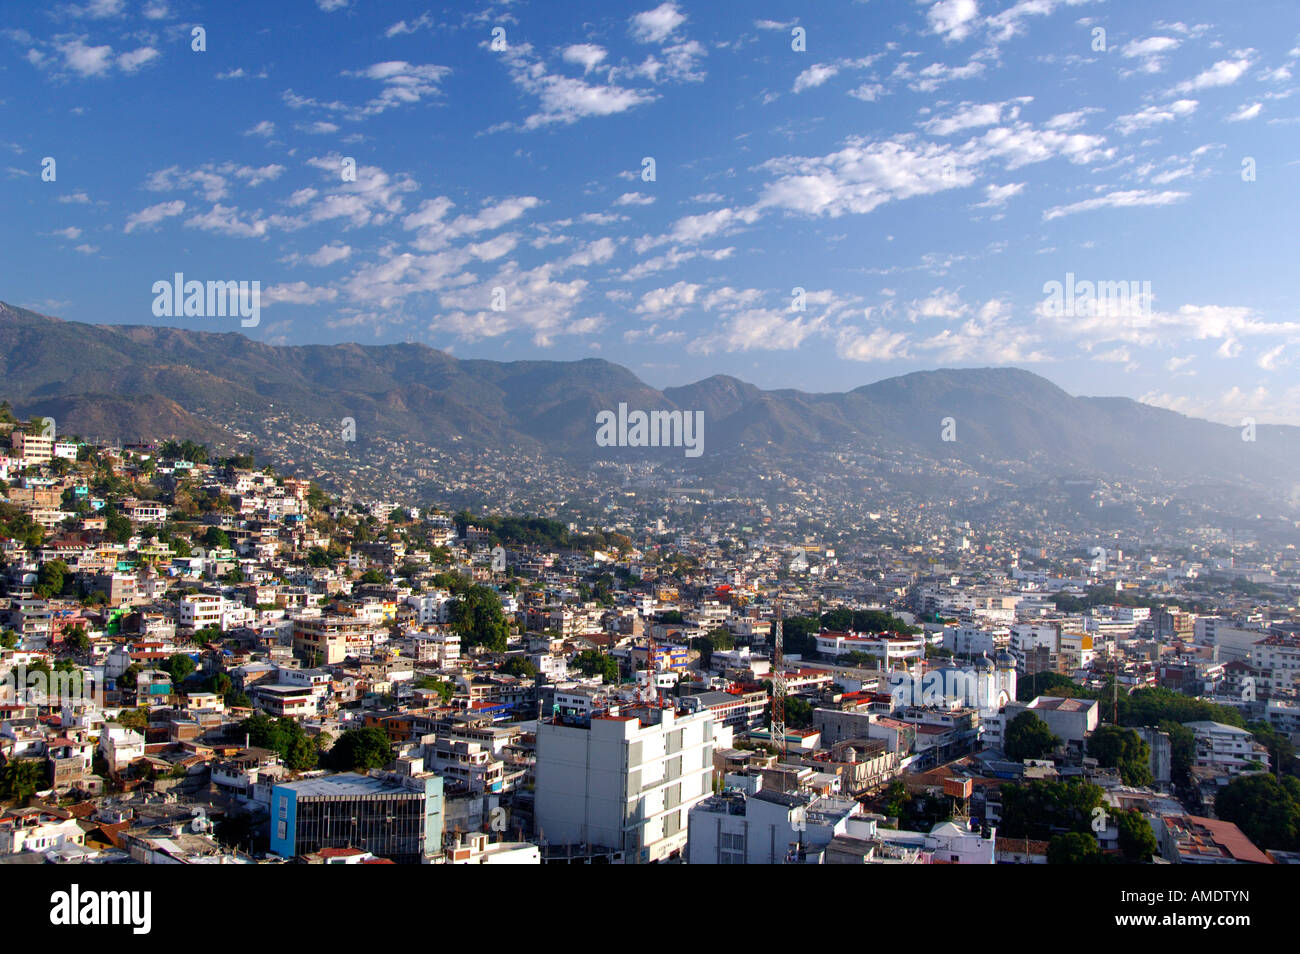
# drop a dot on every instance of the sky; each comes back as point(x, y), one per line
point(840, 192)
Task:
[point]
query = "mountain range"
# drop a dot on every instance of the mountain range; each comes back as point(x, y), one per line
point(133, 381)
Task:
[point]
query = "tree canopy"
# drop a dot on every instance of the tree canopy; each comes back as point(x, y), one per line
point(1265, 809)
point(1117, 747)
point(358, 750)
point(1028, 737)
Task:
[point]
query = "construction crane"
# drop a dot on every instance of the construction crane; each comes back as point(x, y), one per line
point(778, 685)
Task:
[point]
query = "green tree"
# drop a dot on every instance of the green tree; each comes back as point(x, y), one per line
point(1074, 848)
point(592, 662)
point(1028, 737)
point(50, 579)
point(444, 689)
point(1182, 751)
point(1045, 684)
point(1265, 809)
point(798, 713)
point(798, 633)
point(1042, 808)
point(896, 799)
point(477, 616)
point(358, 750)
point(136, 720)
point(220, 684)
point(214, 538)
point(1117, 747)
point(520, 667)
point(116, 525)
point(301, 753)
point(1281, 751)
point(180, 667)
point(76, 639)
point(20, 779)
point(126, 681)
point(1136, 839)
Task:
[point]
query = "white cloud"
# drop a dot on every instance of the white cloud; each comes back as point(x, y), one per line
point(1271, 360)
point(154, 214)
point(935, 75)
point(1222, 73)
point(86, 60)
point(1246, 112)
point(586, 55)
point(1149, 50)
point(759, 329)
point(434, 231)
point(225, 220)
point(670, 299)
point(130, 62)
point(972, 115)
point(329, 254)
point(403, 84)
point(655, 26)
point(867, 92)
point(423, 21)
point(212, 180)
point(297, 293)
point(997, 195)
point(953, 19)
point(1153, 115)
point(1009, 23)
point(879, 344)
point(1129, 199)
point(814, 76)
point(567, 99)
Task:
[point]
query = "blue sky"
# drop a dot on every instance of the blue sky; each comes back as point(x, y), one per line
point(920, 169)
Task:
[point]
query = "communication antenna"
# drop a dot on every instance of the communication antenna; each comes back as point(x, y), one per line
point(778, 685)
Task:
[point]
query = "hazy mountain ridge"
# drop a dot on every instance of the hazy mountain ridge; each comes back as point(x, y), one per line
point(144, 381)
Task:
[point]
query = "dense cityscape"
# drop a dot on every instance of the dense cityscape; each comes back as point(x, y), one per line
point(209, 661)
point(651, 433)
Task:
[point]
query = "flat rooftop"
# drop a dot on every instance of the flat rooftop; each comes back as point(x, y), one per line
point(347, 784)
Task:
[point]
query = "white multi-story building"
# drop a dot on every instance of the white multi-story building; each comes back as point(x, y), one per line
point(38, 829)
point(438, 649)
point(470, 763)
point(200, 610)
point(119, 745)
point(1227, 747)
point(968, 640)
point(31, 448)
point(1234, 642)
point(624, 779)
point(1278, 658)
point(144, 511)
point(430, 607)
point(889, 648)
point(760, 827)
point(1026, 637)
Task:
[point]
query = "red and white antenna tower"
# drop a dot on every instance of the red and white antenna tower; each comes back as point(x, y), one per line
point(778, 685)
